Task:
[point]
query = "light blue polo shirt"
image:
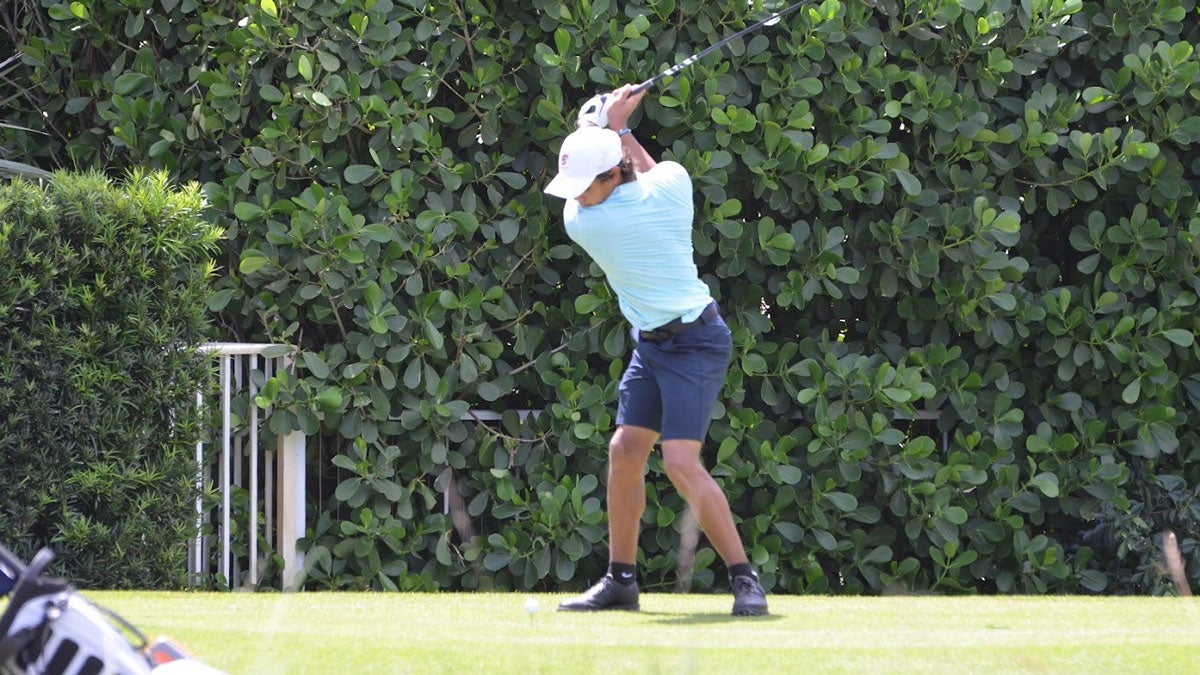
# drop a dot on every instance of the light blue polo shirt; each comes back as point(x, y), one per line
point(641, 236)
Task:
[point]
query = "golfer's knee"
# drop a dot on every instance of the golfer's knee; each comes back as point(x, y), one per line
point(684, 470)
point(622, 454)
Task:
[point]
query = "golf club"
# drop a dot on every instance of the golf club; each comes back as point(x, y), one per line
point(770, 20)
point(1175, 564)
point(594, 110)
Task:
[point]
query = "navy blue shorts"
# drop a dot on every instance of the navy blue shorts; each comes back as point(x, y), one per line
point(671, 386)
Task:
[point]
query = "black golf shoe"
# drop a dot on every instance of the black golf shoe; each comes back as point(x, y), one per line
point(606, 594)
point(749, 598)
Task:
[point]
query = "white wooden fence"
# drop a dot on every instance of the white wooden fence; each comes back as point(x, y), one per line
point(272, 473)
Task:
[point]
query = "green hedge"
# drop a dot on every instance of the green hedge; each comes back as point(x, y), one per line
point(101, 310)
point(956, 241)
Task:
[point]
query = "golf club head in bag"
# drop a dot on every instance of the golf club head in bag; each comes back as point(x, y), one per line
point(48, 627)
point(594, 112)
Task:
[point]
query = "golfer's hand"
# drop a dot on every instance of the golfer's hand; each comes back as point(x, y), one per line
point(622, 106)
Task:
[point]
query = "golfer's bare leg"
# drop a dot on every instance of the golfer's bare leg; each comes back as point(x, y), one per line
point(628, 451)
point(681, 459)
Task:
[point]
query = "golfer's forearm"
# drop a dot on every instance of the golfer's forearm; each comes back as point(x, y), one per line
point(642, 161)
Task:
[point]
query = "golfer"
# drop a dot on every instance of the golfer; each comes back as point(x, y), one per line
point(633, 216)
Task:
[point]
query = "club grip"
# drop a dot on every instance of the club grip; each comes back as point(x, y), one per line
point(11, 562)
point(41, 560)
point(647, 84)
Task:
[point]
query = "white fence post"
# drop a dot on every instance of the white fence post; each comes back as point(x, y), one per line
point(243, 465)
point(291, 506)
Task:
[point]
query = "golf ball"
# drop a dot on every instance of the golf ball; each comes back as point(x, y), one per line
point(531, 606)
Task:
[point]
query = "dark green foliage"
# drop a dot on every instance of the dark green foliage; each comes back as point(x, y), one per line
point(956, 240)
point(100, 313)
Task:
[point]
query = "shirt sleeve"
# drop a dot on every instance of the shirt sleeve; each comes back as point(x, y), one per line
point(674, 179)
point(679, 183)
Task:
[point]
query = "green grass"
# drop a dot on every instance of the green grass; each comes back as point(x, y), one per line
point(491, 633)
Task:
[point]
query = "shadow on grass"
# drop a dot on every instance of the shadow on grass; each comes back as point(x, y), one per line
point(691, 619)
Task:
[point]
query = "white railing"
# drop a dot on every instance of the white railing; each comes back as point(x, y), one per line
point(278, 468)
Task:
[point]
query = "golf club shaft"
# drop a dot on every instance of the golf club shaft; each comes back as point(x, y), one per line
point(696, 57)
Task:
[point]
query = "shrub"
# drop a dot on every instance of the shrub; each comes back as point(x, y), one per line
point(101, 311)
point(956, 241)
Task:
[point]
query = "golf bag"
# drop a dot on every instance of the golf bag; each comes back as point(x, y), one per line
point(49, 628)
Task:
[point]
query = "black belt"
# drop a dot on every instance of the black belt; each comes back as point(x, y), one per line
point(678, 326)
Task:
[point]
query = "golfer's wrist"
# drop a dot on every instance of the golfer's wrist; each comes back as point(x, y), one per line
point(622, 130)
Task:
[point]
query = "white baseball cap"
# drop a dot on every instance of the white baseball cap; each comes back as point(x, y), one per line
point(585, 154)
